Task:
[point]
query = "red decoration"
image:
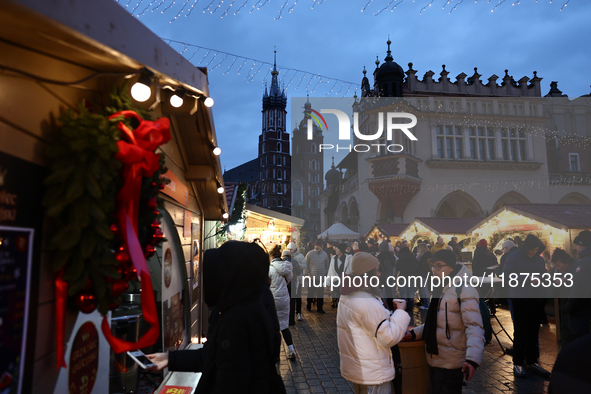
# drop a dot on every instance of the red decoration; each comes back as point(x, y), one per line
point(114, 228)
point(155, 224)
point(119, 287)
point(153, 184)
point(162, 186)
point(157, 237)
point(129, 274)
point(149, 252)
point(152, 203)
point(88, 286)
point(122, 256)
point(85, 302)
point(136, 153)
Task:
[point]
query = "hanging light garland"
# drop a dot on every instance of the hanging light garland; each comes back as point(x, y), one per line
point(234, 7)
point(313, 81)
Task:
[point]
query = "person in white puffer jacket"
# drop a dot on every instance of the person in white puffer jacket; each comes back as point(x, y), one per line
point(453, 331)
point(281, 275)
point(366, 330)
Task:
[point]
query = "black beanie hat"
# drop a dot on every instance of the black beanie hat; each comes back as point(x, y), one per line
point(583, 239)
point(447, 256)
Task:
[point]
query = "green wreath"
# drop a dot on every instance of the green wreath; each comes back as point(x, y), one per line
point(498, 236)
point(83, 181)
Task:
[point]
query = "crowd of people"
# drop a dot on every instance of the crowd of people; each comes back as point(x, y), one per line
point(254, 297)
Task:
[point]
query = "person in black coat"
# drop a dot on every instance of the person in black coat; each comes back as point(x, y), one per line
point(241, 350)
point(578, 305)
point(483, 258)
point(387, 265)
point(407, 267)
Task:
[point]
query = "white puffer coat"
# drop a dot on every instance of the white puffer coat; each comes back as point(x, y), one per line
point(366, 330)
point(280, 274)
point(466, 332)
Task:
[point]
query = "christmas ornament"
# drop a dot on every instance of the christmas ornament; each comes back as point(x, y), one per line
point(85, 302)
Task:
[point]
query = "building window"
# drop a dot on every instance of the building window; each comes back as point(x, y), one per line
point(263, 148)
point(273, 188)
point(313, 148)
point(265, 201)
point(297, 194)
point(279, 188)
point(285, 188)
point(482, 143)
point(274, 174)
point(279, 174)
point(573, 160)
point(273, 159)
point(449, 142)
point(279, 147)
point(279, 159)
point(274, 200)
point(513, 144)
point(284, 161)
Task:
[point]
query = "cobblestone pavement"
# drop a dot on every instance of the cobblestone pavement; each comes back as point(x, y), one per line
point(316, 369)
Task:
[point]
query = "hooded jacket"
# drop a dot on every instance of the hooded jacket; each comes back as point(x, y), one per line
point(462, 323)
point(280, 275)
point(366, 330)
point(578, 305)
point(521, 264)
point(241, 343)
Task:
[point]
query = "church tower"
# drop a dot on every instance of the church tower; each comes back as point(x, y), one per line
point(306, 175)
point(274, 157)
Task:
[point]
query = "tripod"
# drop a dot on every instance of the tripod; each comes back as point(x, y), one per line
point(493, 313)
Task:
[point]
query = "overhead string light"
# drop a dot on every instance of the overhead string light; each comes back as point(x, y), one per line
point(214, 59)
point(187, 6)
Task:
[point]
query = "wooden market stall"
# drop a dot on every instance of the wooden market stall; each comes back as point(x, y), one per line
point(67, 59)
point(386, 231)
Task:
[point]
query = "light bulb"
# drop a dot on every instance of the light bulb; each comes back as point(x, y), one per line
point(208, 102)
point(220, 189)
point(217, 151)
point(225, 215)
point(176, 101)
point(140, 92)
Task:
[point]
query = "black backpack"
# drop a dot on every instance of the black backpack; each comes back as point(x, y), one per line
point(485, 312)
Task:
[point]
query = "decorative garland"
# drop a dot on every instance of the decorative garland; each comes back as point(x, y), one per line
point(81, 190)
point(498, 236)
point(414, 239)
point(103, 192)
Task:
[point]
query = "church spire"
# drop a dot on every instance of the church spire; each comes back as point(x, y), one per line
point(275, 90)
point(389, 57)
point(276, 96)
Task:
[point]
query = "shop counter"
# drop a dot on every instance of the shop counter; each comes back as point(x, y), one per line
point(181, 379)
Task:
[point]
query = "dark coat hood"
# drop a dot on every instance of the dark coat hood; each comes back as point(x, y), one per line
point(233, 273)
point(531, 242)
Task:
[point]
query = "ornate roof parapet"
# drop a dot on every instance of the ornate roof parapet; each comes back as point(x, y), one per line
point(472, 85)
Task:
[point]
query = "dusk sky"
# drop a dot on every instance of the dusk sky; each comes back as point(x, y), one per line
point(336, 40)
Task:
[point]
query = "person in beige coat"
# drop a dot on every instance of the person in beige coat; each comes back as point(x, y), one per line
point(453, 331)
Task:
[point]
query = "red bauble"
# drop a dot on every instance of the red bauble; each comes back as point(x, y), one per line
point(153, 184)
point(85, 302)
point(152, 203)
point(114, 227)
point(122, 256)
point(157, 237)
point(129, 274)
point(149, 251)
point(119, 287)
point(155, 224)
point(162, 186)
point(156, 212)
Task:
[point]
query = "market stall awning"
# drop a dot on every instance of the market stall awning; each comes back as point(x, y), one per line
point(561, 216)
point(338, 231)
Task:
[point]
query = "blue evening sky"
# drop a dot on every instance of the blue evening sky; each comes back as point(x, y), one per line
point(335, 39)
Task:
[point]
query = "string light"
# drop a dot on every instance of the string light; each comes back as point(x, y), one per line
point(256, 66)
point(188, 5)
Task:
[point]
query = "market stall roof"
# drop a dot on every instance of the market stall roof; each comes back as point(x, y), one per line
point(338, 231)
point(561, 216)
point(281, 219)
point(111, 44)
point(390, 229)
point(446, 225)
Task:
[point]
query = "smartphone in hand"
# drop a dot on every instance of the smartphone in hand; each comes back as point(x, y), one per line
point(140, 358)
